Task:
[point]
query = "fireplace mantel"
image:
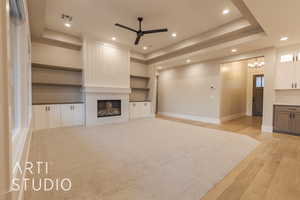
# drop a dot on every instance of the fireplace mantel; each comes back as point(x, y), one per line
point(107, 90)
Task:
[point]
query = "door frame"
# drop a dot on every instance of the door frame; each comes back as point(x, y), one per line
point(253, 89)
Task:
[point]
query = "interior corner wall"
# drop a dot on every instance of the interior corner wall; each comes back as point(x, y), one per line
point(57, 56)
point(269, 92)
point(190, 91)
point(233, 90)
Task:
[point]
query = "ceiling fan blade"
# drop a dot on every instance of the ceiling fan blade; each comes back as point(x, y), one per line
point(122, 26)
point(137, 40)
point(155, 31)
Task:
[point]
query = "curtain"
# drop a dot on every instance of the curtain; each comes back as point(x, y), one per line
point(17, 11)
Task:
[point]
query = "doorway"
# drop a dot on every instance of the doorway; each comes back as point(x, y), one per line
point(258, 94)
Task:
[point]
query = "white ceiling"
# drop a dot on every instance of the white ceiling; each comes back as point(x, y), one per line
point(97, 18)
point(278, 18)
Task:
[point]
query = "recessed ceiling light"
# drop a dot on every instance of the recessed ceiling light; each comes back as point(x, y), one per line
point(226, 11)
point(233, 50)
point(174, 34)
point(284, 38)
point(159, 67)
point(145, 47)
point(188, 60)
point(68, 25)
point(114, 38)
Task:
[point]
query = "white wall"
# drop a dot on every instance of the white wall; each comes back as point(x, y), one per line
point(233, 90)
point(57, 56)
point(105, 65)
point(186, 91)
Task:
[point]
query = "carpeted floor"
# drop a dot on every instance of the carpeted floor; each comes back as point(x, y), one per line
point(149, 159)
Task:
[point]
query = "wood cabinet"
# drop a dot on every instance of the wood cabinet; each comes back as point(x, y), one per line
point(58, 115)
point(140, 110)
point(288, 69)
point(287, 119)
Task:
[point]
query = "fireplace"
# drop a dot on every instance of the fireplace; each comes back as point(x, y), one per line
point(109, 108)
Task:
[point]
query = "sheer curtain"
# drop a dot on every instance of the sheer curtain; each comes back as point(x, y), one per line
point(20, 79)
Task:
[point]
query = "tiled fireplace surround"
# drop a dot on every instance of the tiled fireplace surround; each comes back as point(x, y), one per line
point(93, 94)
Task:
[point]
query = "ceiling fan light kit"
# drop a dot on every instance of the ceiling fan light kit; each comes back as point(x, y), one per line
point(140, 33)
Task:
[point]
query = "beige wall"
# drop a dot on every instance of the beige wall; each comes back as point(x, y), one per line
point(187, 91)
point(139, 69)
point(176, 89)
point(287, 97)
point(233, 90)
point(57, 56)
point(4, 104)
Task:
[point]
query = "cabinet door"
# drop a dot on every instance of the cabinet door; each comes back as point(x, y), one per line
point(133, 110)
point(78, 112)
point(146, 109)
point(296, 123)
point(41, 117)
point(54, 116)
point(67, 118)
point(285, 70)
point(283, 122)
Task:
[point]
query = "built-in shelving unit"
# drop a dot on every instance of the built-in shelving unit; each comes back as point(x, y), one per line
point(139, 77)
point(145, 89)
point(56, 84)
point(140, 88)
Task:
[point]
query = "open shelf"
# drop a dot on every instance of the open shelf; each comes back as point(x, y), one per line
point(54, 103)
point(36, 65)
point(142, 89)
point(140, 77)
point(58, 84)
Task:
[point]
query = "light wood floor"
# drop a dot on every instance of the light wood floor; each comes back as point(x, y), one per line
point(271, 172)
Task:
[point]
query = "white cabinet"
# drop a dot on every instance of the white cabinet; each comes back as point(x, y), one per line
point(40, 116)
point(72, 115)
point(288, 70)
point(46, 116)
point(60, 115)
point(140, 110)
point(54, 116)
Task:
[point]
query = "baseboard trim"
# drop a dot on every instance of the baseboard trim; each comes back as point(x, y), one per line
point(232, 117)
point(192, 117)
point(268, 129)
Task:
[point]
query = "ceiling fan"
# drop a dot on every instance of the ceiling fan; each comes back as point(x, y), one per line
point(140, 33)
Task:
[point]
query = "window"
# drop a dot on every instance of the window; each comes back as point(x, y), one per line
point(260, 82)
point(286, 58)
